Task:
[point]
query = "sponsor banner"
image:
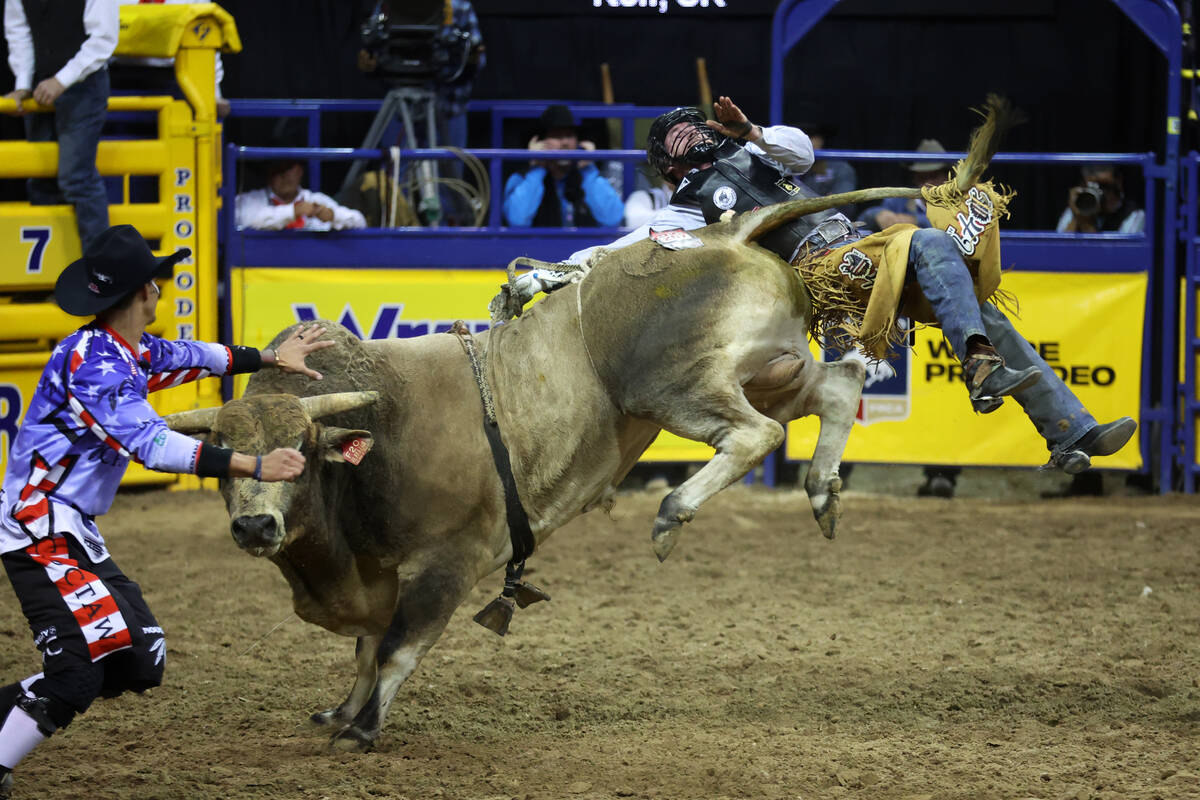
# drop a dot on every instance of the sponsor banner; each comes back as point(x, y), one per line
point(378, 304)
point(914, 410)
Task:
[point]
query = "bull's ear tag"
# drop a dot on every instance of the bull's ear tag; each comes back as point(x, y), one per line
point(675, 239)
point(354, 449)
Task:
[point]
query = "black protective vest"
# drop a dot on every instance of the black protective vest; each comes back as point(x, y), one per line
point(741, 181)
point(56, 27)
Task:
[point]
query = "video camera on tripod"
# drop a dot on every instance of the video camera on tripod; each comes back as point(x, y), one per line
point(417, 50)
point(418, 46)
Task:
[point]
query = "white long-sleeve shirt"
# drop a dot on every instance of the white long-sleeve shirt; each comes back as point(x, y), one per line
point(101, 23)
point(788, 149)
point(263, 210)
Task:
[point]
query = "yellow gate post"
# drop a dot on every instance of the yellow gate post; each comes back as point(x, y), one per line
point(37, 242)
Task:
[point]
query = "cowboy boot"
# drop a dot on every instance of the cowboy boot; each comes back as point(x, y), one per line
point(1101, 440)
point(988, 379)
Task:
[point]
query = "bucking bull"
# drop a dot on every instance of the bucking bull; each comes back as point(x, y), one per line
point(709, 343)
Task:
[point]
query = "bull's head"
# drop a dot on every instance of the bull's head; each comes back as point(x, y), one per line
point(259, 424)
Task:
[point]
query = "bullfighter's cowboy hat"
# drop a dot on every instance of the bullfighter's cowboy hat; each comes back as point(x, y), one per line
point(115, 264)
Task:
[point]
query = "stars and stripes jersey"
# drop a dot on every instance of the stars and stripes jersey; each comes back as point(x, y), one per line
point(88, 417)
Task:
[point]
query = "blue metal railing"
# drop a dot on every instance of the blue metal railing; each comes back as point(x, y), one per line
point(498, 112)
point(1189, 403)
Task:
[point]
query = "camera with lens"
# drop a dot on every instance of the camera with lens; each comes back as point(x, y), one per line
point(416, 47)
point(1089, 199)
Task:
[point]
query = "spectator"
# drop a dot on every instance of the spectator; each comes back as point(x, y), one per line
point(1099, 204)
point(897, 210)
point(60, 59)
point(643, 204)
point(561, 193)
point(1096, 205)
point(87, 419)
point(828, 176)
point(158, 74)
point(284, 204)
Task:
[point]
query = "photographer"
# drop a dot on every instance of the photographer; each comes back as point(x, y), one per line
point(1098, 204)
point(561, 193)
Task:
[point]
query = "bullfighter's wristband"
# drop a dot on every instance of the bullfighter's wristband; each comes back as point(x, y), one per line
point(258, 468)
point(245, 359)
point(213, 461)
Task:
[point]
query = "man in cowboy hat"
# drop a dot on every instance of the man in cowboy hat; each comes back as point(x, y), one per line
point(88, 417)
point(561, 193)
point(908, 210)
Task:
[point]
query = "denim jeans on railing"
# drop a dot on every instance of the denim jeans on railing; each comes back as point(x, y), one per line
point(75, 124)
point(1050, 404)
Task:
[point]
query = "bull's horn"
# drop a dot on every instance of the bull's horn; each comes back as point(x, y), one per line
point(322, 405)
point(197, 420)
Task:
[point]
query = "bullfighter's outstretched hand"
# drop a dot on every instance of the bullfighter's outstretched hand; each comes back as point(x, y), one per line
point(291, 353)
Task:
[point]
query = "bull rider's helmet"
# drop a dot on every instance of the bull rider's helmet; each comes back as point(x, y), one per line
point(694, 148)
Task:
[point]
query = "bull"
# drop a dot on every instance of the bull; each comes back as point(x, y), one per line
point(709, 343)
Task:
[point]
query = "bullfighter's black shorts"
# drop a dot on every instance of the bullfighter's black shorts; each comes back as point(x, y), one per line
point(97, 636)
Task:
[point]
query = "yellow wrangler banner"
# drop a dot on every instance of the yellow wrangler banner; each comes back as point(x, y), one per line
point(1088, 327)
point(378, 304)
point(1096, 348)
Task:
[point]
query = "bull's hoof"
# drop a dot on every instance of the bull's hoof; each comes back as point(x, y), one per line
point(827, 506)
point(671, 515)
point(664, 540)
point(352, 740)
point(327, 718)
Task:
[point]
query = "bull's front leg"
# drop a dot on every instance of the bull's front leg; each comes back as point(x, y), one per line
point(425, 605)
point(365, 648)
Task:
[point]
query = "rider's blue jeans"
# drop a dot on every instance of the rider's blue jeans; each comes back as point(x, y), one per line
point(937, 264)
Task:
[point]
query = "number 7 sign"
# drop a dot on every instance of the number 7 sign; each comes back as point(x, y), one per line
point(40, 236)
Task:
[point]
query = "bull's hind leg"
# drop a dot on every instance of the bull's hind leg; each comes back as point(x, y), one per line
point(364, 684)
point(741, 436)
point(425, 605)
point(833, 396)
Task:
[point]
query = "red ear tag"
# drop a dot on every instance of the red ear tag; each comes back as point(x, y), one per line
point(354, 450)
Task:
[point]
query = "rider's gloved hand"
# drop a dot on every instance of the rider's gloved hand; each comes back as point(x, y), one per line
point(530, 283)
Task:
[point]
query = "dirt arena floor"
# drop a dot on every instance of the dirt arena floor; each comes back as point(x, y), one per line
point(972, 648)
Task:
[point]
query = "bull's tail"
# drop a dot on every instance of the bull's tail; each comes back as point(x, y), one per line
point(998, 117)
point(753, 225)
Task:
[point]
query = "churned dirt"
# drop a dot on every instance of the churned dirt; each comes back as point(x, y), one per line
point(970, 648)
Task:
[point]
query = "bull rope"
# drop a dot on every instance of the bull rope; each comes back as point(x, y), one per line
point(497, 614)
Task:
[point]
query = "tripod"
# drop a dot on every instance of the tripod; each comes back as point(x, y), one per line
point(404, 104)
